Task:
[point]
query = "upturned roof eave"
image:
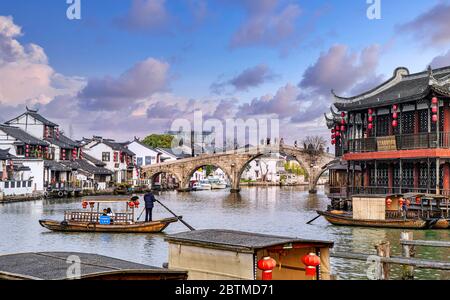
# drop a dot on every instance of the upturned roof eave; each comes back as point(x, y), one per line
point(350, 106)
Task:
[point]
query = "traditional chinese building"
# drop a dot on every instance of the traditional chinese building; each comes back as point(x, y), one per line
point(394, 138)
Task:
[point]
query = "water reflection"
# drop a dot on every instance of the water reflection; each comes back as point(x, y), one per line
point(282, 211)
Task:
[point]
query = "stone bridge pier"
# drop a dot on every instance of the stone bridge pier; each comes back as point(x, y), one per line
point(233, 164)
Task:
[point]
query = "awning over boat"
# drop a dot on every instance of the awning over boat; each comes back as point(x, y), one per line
point(53, 266)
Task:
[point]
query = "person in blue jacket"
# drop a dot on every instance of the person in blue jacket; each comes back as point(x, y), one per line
point(149, 200)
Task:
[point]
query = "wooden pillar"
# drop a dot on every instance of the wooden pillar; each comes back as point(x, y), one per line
point(390, 177)
point(416, 175)
point(384, 250)
point(446, 179)
point(366, 176)
point(401, 175)
point(446, 133)
point(438, 165)
point(407, 252)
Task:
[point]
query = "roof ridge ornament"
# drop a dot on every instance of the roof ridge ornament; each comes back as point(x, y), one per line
point(31, 110)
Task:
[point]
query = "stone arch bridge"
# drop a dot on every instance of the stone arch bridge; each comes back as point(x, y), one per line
point(233, 163)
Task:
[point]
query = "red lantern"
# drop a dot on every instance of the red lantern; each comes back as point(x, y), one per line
point(343, 114)
point(136, 203)
point(333, 136)
point(338, 134)
point(333, 142)
point(131, 204)
point(91, 204)
point(395, 107)
point(370, 119)
point(370, 111)
point(434, 109)
point(342, 128)
point(333, 131)
point(434, 100)
point(394, 123)
point(395, 116)
point(388, 202)
point(266, 265)
point(84, 204)
point(337, 128)
point(434, 118)
point(311, 262)
point(343, 122)
point(418, 200)
point(370, 126)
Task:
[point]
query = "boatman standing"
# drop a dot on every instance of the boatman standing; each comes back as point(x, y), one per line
point(149, 200)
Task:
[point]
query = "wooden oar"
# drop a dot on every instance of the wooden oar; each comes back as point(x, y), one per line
point(179, 218)
point(141, 214)
point(309, 222)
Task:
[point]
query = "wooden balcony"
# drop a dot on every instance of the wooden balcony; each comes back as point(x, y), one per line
point(400, 142)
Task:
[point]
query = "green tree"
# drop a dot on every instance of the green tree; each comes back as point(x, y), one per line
point(209, 170)
point(158, 140)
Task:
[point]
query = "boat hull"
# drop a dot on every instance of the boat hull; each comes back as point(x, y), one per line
point(218, 186)
point(138, 227)
point(347, 220)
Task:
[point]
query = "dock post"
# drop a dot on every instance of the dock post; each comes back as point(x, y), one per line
point(407, 252)
point(384, 250)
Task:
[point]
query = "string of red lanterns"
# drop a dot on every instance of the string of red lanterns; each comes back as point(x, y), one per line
point(434, 109)
point(394, 115)
point(370, 119)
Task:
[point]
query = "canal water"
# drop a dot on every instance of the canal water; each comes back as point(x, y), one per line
point(273, 210)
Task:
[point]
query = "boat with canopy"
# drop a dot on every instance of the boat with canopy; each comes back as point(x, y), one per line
point(92, 218)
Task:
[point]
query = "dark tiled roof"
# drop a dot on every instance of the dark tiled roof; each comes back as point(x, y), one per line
point(117, 146)
point(400, 88)
point(142, 144)
point(56, 166)
point(37, 116)
point(22, 135)
point(4, 154)
point(63, 142)
point(53, 265)
point(236, 239)
point(93, 160)
point(83, 165)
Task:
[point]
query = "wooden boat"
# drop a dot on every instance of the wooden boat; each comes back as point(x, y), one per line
point(136, 227)
point(94, 221)
point(406, 211)
point(346, 219)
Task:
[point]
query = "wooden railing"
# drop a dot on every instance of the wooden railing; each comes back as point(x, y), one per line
point(402, 142)
point(383, 260)
point(87, 216)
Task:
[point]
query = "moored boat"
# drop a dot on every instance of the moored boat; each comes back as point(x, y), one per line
point(346, 219)
point(406, 211)
point(95, 221)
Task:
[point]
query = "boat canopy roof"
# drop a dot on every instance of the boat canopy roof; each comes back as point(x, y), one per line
point(53, 266)
point(107, 199)
point(238, 240)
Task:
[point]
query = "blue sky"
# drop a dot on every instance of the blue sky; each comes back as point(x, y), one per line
point(249, 58)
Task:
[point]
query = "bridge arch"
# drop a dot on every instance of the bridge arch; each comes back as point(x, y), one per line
point(302, 161)
point(191, 171)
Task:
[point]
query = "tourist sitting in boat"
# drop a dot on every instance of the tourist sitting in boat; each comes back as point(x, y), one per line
point(110, 214)
point(105, 212)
